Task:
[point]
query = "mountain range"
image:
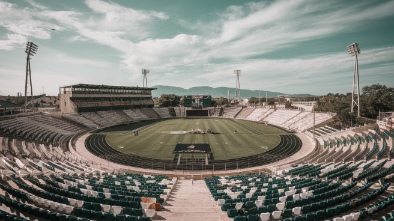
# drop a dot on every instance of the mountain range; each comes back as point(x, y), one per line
point(214, 92)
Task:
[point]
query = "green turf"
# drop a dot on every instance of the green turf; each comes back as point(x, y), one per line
point(155, 140)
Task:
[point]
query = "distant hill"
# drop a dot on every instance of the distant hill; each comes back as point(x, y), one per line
point(215, 92)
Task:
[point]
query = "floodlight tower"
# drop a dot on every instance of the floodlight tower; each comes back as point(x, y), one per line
point(145, 79)
point(354, 50)
point(31, 49)
point(237, 85)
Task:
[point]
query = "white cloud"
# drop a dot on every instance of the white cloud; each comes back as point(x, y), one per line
point(36, 5)
point(288, 75)
point(64, 58)
point(23, 22)
point(114, 17)
point(283, 24)
point(78, 38)
point(239, 38)
point(13, 40)
point(118, 13)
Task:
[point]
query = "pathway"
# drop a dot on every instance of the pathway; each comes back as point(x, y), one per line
point(192, 203)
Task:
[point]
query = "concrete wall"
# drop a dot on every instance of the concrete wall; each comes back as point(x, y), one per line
point(65, 104)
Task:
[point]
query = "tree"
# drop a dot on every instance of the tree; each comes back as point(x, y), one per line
point(221, 101)
point(253, 100)
point(374, 98)
point(271, 101)
point(169, 100)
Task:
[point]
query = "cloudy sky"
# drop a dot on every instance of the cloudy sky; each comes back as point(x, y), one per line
point(296, 46)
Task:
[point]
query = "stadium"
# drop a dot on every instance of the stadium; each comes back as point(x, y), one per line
point(108, 149)
point(109, 154)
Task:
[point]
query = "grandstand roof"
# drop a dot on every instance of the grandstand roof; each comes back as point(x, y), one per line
point(96, 86)
point(8, 105)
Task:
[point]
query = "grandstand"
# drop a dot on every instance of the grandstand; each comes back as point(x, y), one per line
point(53, 169)
point(87, 98)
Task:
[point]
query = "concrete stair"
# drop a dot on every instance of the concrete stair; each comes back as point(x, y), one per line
point(192, 203)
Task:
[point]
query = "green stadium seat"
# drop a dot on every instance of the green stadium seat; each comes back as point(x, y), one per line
point(132, 218)
point(225, 207)
point(271, 208)
point(287, 213)
point(299, 218)
point(248, 205)
point(72, 218)
point(138, 212)
point(109, 217)
point(310, 217)
point(321, 214)
point(240, 218)
point(232, 212)
point(305, 209)
point(120, 217)
point(253, 217)
point(289, 204)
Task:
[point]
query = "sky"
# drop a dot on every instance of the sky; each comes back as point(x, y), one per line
point(287, 46)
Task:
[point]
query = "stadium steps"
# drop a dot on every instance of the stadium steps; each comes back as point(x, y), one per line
point(192, 203)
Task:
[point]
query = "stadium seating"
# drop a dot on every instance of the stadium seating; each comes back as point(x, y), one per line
point(281, 116)
point(231, 112)
point(162, 112)
point(40, 128)
point(257, 114)
point(347, 176)
point(244, 112)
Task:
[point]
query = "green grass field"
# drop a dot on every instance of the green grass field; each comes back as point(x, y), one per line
point(155, 140)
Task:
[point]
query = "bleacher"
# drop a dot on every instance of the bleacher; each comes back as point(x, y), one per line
point(280, 116)
point(162, 112)
point(298, 195)
point(230, 112)
point(244, 112)
point(76, 118)
point(38, 128)
point(257, 114)
point(113, 117)
point(43, 182)
point(149, 112)
point(347, 176)
point(306, 121)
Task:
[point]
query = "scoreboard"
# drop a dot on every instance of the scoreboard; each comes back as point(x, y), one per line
point(197, 101)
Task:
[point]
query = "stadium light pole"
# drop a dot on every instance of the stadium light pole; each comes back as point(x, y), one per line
point(31, 50)
point(237, 85)
point(259, 98)
point(145, 78)
point(354, 51)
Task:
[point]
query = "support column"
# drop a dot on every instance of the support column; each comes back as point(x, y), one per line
point(179, 159)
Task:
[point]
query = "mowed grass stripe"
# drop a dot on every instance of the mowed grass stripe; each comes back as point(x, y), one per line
point(156, 142)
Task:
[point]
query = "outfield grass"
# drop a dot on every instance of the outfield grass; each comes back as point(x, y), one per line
point(155, 140)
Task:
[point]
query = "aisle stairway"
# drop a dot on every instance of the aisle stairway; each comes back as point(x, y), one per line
point(192, 203)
